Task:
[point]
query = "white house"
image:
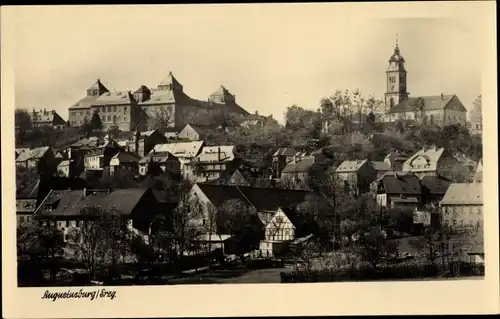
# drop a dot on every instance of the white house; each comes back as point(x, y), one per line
point(279, 233)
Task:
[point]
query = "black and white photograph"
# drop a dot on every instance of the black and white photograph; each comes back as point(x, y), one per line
point(245, 144)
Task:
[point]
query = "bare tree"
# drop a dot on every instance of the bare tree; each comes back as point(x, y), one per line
point(183, 232)
point(161, 117)
point(103, 234)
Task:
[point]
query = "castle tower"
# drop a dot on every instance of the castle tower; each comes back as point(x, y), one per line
point(395, 80)
point(97, 89)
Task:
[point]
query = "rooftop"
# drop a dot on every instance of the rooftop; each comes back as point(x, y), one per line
point(350, 166)
point(464, 194)
point(72, 202)
point(428, 103)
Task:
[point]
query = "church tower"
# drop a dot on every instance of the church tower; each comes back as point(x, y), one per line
point(396, 80)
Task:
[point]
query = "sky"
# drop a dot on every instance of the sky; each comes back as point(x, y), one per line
point(269, 56)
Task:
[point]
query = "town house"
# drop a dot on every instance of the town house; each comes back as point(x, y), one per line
point(432, 161)
point(395, 160)
point(462, 205)
point(192, 132)
point(184, 151)
point(297, 172)
point(399, 190)
point(40, 158)
point(159, 162)
point(47, 118)
point(265, 202)
point(282, 231)
point(29, 198)
point(212, 162)
point(356, 176)
point(98, 158)
point(281, 157)
point(67, 208)
point(124, 161)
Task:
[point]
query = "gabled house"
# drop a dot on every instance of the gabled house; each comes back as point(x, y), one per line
point(299, 170)
point(265, 202)
point(157, 162)
point(40, 158)
point(192, 132)
point(396, 160)
point(431, 161)
point(184, 151)
point(281, 231)
point(66, 208)
point(29, 198)
point(98, 158)
point(144, 142)
point(462, 205)
point(212, 162)
point(47, 118)
point(281, 157)
point(245, 176)
point(433, 189)
point(381, 167)
point(356, 175)
point(399, 190)
point(124, 160)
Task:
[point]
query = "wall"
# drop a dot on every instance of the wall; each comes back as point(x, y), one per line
point(76, 117)
point(462, 215)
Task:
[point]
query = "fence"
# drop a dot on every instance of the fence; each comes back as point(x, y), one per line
point(455, 269)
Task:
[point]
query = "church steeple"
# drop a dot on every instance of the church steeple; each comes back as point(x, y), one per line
point(395, 79)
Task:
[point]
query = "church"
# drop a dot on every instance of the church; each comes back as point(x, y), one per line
point(442, 110)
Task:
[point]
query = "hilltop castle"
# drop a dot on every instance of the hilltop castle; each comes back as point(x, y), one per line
point(127, 110)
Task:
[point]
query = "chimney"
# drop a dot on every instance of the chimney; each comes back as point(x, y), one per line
point(442, 96)
point(84, 192)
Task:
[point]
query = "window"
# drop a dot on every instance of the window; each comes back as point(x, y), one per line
point(81, 113)
point(109, 118)
point(124, 109)
point(103, 109)
point(67, 223)
point(114, 108)
point(109, 108)
point(21, 219)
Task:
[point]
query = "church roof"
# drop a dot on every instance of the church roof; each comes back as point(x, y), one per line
point(435, 102)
